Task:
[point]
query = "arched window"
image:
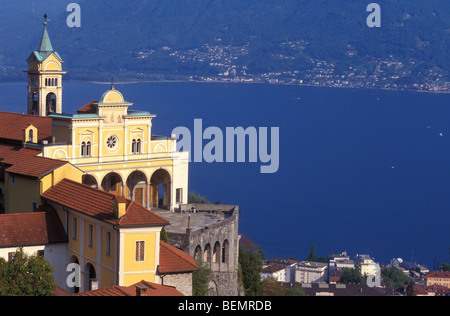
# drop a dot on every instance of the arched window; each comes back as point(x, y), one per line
point(83, 149)
point(198, 253)
point(225, 250)
point(207, 254)
point(30, 135)
point(216, 253)
point(51, 103)
point(138, 146)
point(133, 146)
point(35, 109)
point(88, 149)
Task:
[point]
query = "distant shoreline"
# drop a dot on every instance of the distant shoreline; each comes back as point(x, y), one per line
point(134, 81)
point(267, 83)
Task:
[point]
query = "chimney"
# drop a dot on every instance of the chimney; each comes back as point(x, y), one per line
point(141, 290)
point(121, 207)
point(188, 229)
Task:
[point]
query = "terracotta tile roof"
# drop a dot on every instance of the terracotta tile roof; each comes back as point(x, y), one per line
point(438, 274)
point(36, 167)
point(174, 260)
point(7, 150)
point(82, 198)
point(150, 289)
point(100, 204)
point(138, 215)
point(88, 108)
point(12, 124)
point(40, 228)
point(60, 292)
point(436, 290)
point(18, 160)
point(13, 155)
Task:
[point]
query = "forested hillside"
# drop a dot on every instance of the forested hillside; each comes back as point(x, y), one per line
point(170, 39)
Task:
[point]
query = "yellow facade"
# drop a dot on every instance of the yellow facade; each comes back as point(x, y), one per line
point(109, 147)
point(23, 193)
point(15, 199)
point(93, 248)
point(113, 253)
point(116, 149)
point(135, 269)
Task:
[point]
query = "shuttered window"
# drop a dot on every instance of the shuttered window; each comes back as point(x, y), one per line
point(140, 247)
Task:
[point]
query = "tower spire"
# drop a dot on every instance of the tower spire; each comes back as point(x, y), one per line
point(45, 46)
point(45, 78)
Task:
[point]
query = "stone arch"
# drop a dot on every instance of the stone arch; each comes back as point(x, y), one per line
point(225, 254)
point(160, 189)
point(76, 289)
point(137, 187)
point(90, 277)
point(160, 148)
point(52, 65)
point(60, 154)
point(207, 253)
point(216, 253)
point(90, 180)
point(113, 183)
point(50, 103)
point(198, 253)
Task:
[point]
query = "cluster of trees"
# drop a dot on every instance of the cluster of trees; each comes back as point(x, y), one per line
point(251, 258)
point(26, 275)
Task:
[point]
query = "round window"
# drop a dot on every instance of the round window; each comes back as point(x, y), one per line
point(112, 142)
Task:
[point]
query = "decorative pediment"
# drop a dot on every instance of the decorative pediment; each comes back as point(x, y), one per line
point(87, 135)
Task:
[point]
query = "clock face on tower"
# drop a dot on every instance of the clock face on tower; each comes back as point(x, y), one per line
point(112, 142)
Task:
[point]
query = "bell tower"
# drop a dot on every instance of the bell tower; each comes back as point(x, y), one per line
point(45, 78)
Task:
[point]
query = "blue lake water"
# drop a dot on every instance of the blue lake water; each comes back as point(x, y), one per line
point(362, 171)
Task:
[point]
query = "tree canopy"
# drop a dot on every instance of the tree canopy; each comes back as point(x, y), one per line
point(26, 275)
point(352, 276)
point(394, 278)
point(251, 258)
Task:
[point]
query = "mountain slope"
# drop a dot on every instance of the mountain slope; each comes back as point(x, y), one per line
point(178, 38)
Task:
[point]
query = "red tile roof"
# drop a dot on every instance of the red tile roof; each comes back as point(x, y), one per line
point(174, 260)
point(151, 289)
point(438, 274)
point(36, 167)
point(100, 204)
point(13, 155)
point(10, 154)
point(88, 108)
point(12, 125)
point(436, 290)
point(138, 215)
point(39, 228)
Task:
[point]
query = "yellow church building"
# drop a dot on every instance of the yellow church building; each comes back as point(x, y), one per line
point(101, 171)
point(111, 143)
